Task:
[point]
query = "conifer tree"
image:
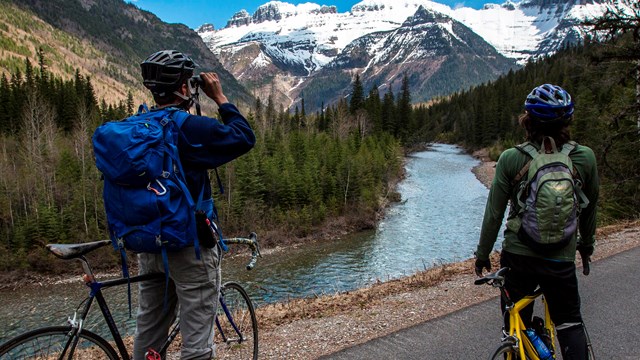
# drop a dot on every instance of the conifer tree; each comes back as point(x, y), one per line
point(404, 119)
point(373, 106)
point(616, 21)
point(5, 97)
point(389, 112)
point(357, 96)
point(130, 105)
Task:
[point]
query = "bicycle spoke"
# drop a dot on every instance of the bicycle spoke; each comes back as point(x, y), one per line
point(52, 343)
point(237, 328)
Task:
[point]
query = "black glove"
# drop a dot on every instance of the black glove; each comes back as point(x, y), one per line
point(482, 264)
point(585, 250)
point(585, 253)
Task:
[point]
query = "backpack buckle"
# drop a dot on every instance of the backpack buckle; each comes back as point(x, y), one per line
point(158, 192)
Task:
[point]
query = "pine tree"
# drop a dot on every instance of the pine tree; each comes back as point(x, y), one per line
point(5, 97)
point(130, 105)
point(404, 120)
point(357, 96)
point(389, 113)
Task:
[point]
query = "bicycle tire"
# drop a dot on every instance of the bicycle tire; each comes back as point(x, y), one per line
point(506, 351)
point(48, 342)
point(590, 354)
point(228, 344)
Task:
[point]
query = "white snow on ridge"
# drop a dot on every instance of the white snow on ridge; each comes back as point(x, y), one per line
point(307, 36)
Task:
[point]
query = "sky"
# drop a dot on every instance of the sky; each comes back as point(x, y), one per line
point(194, 13)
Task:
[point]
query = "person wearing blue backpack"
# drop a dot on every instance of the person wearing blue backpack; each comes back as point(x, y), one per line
point(203, 143)
point(553, 185)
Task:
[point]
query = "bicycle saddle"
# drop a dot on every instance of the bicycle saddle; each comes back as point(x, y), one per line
point(71, 251)
point(498, 275)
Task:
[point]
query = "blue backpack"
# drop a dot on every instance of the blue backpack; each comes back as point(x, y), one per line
point(148, 205)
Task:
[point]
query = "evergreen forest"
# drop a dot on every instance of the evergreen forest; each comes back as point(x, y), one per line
point(604, 82)
point(335, 167)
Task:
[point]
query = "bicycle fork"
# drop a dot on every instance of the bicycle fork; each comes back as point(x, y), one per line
point(231, 321)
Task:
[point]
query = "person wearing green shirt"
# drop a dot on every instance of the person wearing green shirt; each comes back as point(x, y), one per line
point(548, 113)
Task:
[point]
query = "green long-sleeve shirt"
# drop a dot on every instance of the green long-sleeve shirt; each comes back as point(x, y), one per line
point(511, 161)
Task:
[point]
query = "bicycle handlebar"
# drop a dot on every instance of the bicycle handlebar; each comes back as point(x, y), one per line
point(251, 242)
point(73, 251)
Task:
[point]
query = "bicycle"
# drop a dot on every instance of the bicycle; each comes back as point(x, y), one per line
point(236, 322)
point(515, 344)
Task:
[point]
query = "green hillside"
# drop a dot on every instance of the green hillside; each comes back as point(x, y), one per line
point(105, 40)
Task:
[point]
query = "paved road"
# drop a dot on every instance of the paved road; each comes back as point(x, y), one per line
point(610, 306)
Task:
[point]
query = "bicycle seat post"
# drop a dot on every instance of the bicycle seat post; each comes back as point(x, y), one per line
point(88, 276)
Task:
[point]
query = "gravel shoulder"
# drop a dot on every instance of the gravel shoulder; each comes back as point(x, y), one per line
point(310, 328)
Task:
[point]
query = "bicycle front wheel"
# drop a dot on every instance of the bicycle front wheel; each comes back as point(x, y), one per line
point(53, 342)
point(237, 326)
point(505, 351)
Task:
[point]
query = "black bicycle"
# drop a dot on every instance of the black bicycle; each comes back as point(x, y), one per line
point(236, 323)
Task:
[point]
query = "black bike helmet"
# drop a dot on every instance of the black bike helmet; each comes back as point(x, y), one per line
point(165, 71)
point(549, 103)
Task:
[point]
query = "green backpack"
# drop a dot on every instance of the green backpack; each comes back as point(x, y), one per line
point(550, 199)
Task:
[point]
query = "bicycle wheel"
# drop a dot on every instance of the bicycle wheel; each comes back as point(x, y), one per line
point(237, 327)
point(505, 351)
point(590, 354)
point(50, 342)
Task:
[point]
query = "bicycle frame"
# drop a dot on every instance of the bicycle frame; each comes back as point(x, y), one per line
point(517, 326)
point(96, 293)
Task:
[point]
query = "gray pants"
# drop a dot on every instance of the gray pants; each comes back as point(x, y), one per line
point(194, 287)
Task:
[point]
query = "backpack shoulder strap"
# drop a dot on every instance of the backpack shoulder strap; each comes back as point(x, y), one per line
point(179, 117)
point(583, 201)
point(568, 147)
point(143, 108)
point(529, 149)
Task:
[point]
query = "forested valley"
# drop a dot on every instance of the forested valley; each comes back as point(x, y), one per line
point(307, 170)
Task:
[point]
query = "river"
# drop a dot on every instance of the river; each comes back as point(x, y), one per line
point(437, 222)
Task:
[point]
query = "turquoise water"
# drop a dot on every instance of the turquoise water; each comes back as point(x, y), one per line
point(438, 221)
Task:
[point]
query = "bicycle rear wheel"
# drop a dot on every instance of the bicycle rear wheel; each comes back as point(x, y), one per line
point(237, 327)
point(505, 351)
point(51, 342)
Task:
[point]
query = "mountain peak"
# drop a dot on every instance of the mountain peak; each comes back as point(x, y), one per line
point(277, 10)
point(240, 18)
point(205, 27)
point(425, 16)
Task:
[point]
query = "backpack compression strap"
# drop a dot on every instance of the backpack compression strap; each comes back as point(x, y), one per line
point(567, 148)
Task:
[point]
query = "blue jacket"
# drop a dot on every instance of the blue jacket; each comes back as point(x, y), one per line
point(210, 143)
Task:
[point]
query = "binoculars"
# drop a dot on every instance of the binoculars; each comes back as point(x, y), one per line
point(196, 80)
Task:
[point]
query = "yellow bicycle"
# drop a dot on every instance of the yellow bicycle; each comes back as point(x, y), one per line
point(518, 341)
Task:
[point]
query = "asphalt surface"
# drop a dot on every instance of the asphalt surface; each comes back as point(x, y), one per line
point(610, 307)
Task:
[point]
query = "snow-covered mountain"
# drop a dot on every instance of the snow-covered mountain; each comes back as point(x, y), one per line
point(278, 48)
point(438, 54)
